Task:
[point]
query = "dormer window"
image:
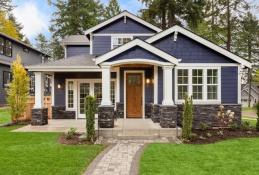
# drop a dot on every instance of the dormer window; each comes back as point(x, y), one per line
point(5, 47)
point(120, 40)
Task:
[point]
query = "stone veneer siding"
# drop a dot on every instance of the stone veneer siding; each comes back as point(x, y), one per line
point(208, 114)
point(106, 116)
point(39, 116)
point(59, 112)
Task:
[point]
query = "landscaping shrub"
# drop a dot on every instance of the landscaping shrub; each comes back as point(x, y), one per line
point(245, 125)
point(18, 90)
point(257, 112)
point(90, 110)
point(187, 118)
point(226, 119)
point(71, 133)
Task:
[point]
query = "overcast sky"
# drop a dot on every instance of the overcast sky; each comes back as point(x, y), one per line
point(35, 15)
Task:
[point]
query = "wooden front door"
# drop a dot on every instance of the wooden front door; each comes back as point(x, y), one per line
point(134, 95)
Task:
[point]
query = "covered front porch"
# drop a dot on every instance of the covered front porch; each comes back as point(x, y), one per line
point(122, 128)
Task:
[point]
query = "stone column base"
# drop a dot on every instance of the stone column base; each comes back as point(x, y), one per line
point(168, 116)
point(155, 113)
point(39, 116)
point(106, 116)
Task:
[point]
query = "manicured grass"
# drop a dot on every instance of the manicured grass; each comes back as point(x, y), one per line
point(238, 156)
point(251, 121)
point(248, 109)
point(5, 116)
point(41, 154)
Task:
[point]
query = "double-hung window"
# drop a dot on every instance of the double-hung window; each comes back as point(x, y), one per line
point(5, 47)
point(7, 77)
point(182, 83)
point(120, 40)
point(2, 45)
point(212, 84)
point(201, 83)
point(70, 94)
point(197, 84)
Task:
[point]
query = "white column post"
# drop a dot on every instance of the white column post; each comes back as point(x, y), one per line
point(155, 84)
point(106, 86)
point(168, 85)
point(118, 85)
point(39, 90)
point(53, 89)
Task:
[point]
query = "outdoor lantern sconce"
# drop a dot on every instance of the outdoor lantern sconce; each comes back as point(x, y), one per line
point(147, 80)
point(59, 86)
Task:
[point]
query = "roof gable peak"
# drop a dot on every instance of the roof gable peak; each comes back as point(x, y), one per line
point(120, 15)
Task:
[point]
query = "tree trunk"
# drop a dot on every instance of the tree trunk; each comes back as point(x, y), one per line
point(228, 26)
point(249, 73)
point(163, 20)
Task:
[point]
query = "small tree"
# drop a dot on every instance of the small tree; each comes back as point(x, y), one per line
point(18, 90)
point(257, 112)
point(90, 110)
point(187, 118)
point(225, 118)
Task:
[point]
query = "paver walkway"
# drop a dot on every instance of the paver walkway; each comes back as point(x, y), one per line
point(119, 160)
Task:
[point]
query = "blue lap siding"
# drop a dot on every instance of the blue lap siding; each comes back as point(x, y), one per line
point(229, 85)
point(77, 50)
point(189, 50)
point(101, 44)
point(130, 26)
point(137, 52)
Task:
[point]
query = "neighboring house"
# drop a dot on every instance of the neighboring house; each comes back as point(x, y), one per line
point(9, 48)
point(136, 70)
point(245, 94)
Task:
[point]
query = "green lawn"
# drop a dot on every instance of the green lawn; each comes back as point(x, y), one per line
point(5, 116)
point(41, 154)
point(239, 156)
point(250, 120)
point(248, 109)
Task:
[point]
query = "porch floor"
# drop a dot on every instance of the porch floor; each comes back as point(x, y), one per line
point(123, 128)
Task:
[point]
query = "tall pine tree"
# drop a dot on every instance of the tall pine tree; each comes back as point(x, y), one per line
point(112, 9)
point(43, 44)
point(166, 13)
point(73, 17)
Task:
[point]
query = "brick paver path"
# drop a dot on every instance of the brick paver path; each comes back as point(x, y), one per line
point(118, 160)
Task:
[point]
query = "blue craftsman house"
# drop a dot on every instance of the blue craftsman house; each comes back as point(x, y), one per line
point(136, 70)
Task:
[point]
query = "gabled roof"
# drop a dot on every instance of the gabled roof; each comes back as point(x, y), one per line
point(133, 43)
point(200, 40)
point(75, 40)
point(22, 43)
point(122, 14)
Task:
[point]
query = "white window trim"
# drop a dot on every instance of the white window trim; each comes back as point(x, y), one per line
point(76, 92)
point(204, 100)
point(120, 36)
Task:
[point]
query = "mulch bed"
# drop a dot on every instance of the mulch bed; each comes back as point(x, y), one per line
point(75, 140)
point(213, 135)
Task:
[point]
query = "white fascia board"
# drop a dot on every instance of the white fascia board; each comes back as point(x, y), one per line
point(136, 61)
point(64, 69)
point(5, 62)
point(208, 65)
point(137, 42)
point(124, 13)
point(123, 34)
point(202, 41)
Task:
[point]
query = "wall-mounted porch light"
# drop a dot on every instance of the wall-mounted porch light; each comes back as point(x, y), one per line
point(59, 86)
point(148, 80)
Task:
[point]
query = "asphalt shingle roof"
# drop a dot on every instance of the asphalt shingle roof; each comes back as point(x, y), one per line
point(75, 40)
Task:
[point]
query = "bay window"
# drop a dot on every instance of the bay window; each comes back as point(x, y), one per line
point(201, 83)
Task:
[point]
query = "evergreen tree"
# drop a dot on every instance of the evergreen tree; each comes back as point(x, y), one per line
point(112, 9)
point(7, 26)
point(73, 17)
point(43, 44)
point(246, 42)
point(5, 5)
point(166, 13)
point(18, 27)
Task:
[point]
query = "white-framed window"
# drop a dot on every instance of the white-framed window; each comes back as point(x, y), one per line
point(200, 82)
point(117, 41)
point(182, 81)
point(197, 84)
point(212, 84)
point(70, 94)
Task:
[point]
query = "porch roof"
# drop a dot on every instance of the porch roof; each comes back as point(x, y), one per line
point(163, 58)
point(70, 64)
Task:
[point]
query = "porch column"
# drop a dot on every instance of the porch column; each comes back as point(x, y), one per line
point(39, 113)
point(39, 90)
point(168, 85)
point(106, 86)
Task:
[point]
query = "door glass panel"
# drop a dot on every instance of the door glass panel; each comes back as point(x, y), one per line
point(98, 92)
point(84, 91)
